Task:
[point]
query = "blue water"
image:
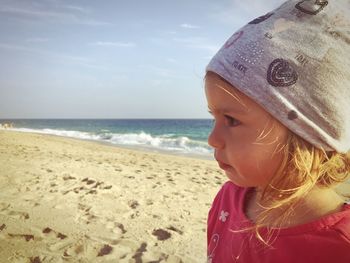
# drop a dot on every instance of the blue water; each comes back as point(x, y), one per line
point(183, 136)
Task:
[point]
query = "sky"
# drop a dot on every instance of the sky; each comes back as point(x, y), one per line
point(113, 59)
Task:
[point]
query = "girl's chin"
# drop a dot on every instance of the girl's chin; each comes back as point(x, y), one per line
point(232, 175)
point(235, 178)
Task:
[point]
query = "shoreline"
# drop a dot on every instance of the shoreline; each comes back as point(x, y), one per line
point(70, 200)
point(124, 146)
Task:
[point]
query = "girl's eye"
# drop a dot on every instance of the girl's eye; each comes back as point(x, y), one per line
point(230, 121)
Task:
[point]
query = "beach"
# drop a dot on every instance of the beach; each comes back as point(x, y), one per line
point(69, 200)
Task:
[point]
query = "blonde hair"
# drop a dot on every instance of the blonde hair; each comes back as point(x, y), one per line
point(303, 167)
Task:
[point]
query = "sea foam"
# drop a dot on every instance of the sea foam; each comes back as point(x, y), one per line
point(164, 142)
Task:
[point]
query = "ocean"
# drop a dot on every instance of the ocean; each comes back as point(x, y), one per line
point(177, 136)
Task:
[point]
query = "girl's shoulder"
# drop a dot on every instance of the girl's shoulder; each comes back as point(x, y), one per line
point(342, 226)
point(229, 199)
point(331, 227)
point(230, 195)
point(229, 188)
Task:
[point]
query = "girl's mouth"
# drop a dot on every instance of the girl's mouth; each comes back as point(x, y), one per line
point(224, 166)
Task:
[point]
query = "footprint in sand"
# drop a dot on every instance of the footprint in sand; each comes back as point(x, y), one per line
point(4, 206)
point(19, 258)
point(172, 228)
point(55, 240)
point(133, 204)
point(143, 254)
point(116, 227)
point(35, 259)
point(105, 250)
point(2, 227)
point(83, 249)
point(59, 235)
point(139, 252)
point(161, 234)
point(149, 202)
point(15, 214)
point(26, 237)
point(87, 217)
point(170, 178)
point(67, 177)
point(87, 249)
point(88, 186)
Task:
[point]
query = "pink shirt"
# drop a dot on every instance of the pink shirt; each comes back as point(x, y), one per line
point(325, 240)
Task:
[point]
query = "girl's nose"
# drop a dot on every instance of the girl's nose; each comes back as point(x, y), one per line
point(215, 138)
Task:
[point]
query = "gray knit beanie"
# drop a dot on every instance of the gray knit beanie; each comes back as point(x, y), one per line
point(295, 63)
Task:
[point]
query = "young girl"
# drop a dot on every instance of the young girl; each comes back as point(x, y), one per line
point(279, 93)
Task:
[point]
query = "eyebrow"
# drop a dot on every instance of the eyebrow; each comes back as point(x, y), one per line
point(225, 111)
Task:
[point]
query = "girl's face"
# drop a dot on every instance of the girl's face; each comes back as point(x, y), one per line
point(248, 141)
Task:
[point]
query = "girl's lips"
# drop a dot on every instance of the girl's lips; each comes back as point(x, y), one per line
point(224, 166)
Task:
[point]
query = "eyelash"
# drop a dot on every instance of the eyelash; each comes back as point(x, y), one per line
point(231, 121)
point(228, 120)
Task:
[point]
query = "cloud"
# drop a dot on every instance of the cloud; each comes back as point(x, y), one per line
point(159, 71)
point(189, 26)
point(83, 61)
point(37, 40)
point(237, 13)
point(113, 44)
point(78, 8)
point(198, 43)
point(167, 32)
point(52, 14)
point(157, 40)
point(34, 13)
point(42, 52)
point(171, 60)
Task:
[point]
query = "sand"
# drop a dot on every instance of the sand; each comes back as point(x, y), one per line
point(67, 200)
